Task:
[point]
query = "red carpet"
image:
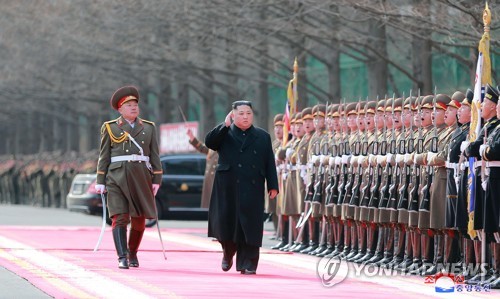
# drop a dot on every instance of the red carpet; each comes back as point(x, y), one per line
point(60, 261)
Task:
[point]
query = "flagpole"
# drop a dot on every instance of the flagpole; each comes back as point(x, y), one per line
point(484, 46)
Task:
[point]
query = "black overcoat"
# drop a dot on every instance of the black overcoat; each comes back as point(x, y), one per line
point(246, 162)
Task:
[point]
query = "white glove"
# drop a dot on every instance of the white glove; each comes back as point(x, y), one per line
point(314, 159)
point(390, 158)
point(338, 160)
point(289, 152)
point(303, 173)
point(408, 159)
point(430, 156)
point(354, 160)
point(457, 180)
point(322, 159)
point(155, 188)
point(415, 159)
point(99, 188)
point(331, 161)
point(372, 159)
point(483, 184)
point(284, 175)
point(464, 145)
point(380, 159)
point(362, 160)
point(400, 158)
point(482, 149)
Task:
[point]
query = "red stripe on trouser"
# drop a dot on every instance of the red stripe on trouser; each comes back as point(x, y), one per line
point(122, 220)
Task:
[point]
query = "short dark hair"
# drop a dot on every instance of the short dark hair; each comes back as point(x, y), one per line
point(242, 103)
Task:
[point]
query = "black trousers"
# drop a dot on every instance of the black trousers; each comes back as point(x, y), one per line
point(247, 256)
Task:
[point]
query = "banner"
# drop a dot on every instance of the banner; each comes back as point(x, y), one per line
point(174, 139)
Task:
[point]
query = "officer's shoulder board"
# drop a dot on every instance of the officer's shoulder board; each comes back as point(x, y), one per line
point(148, 122)
point(106, 123)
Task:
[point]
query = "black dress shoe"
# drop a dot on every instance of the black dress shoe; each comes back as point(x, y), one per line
point(123, 263)
point(133, 261)
point(248, 272)
point(226, 264)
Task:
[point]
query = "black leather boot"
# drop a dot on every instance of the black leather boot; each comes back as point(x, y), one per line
point(134, 240)
point(339, 240)
point(361, 243)
point(379, 249)
point(284, 235)
point(347, 241)
point(417, 253)
point(408, 255)
point(438, 256)
point(120, 239)
point(370, 249)
point(354, 242)
point(389, 247)
point(399, 242)
point(427, 243)
point(313, 235)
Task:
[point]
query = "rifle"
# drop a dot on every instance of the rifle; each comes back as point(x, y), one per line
point(406, 172)
point(332, 175)
point(309, 190)
point(358, 151)
point(337, 152)
point(365, 186)
point(426, 190)
point(396, 170)
point(379, 149)
point(387, 178)
point(345, 150)
point(413, 205)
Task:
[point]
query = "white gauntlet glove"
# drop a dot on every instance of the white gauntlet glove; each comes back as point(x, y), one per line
point(315, 159)
point(345, 159)
point(338, 160)
point(482, 149)
point(289, 153)
point(464, 145)
point(390, 158)
point(400, 158)
point(331, 161)
point(322, 159)
point(381, 159)
point(99, 188)
point(156, 187)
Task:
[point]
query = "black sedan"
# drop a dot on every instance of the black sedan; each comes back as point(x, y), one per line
point(179, 195)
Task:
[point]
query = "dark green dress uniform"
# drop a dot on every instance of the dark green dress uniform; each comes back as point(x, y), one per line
point(211, 164)
point(129, 183)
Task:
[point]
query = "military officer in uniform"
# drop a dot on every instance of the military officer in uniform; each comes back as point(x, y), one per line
point(129, 169)
point(211, 164)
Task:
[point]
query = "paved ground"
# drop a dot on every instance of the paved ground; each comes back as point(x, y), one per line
point(48, 253)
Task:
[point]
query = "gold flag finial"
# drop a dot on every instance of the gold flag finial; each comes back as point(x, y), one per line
point(295, 66)
point(486, 18)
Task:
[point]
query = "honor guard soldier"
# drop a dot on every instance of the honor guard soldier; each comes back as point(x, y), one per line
point(457, 216)
point(129, 169)
point(283, 169)
point(271, 205)
point(490, 152)
point(302, 240)
point(488, 113)
point(313, 211)
point(452, 237)
point(445, 121)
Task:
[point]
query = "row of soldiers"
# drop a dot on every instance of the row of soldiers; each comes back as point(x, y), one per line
point(43, 179)
point(387, 183)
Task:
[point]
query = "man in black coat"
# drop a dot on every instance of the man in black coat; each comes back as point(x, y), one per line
point(246, 163)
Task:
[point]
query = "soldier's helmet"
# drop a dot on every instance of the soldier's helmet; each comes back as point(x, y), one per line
point(123, 95)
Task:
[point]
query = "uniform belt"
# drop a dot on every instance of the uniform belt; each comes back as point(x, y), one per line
point(493, 164)
point(450, 165)
point(129, 158)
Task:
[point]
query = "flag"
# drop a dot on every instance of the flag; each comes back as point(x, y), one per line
point(483, 76)
point(291, 103)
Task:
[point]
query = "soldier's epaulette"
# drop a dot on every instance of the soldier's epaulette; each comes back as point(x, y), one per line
point(103, 128)
point(149, 122)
